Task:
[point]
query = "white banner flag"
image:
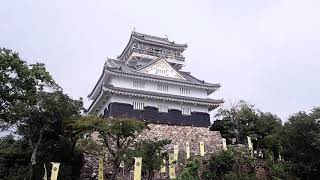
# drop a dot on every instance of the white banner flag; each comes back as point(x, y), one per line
point(224, 144)
point(187, 150)
point(54, 170)
point(176, 152)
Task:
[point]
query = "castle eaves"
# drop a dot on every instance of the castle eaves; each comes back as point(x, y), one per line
point(118, 66)
point(151, 40)
point(211, 103)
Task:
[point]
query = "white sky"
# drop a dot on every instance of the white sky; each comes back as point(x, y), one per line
point(265, 52)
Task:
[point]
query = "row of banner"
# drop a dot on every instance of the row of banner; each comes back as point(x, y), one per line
point(173, 157)
point(137, 168)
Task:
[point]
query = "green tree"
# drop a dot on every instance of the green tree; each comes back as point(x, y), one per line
point(190, 171)
point(279, 169)
point(14, 158)
point(116, 134)
point(243, 120)
point(45, 119)
point(236, 122)
point(19, 84)
point(220, 164)
point(267, 132)
point(34, 106)
point(230, 164)
point(152, 156)
point(301, 143)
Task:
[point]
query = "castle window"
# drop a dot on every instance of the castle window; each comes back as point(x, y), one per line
point(138, 84)
point(162, 108)
point(184, 91)
point(138, 105)
point(186, 110)
point(161, 71)
point(163, 87)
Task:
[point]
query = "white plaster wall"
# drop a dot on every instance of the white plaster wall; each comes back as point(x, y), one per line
point(155, 103)
point(118, 81)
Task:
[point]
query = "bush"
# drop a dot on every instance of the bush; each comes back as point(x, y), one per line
point(15, 159)
point(190, 172)
point(230, 164)
point(220, 164)
point(278, 169)
point(152, 156)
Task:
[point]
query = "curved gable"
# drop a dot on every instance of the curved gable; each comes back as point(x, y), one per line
point(161, 68)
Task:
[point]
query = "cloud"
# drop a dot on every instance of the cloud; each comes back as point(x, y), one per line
point(265, 52)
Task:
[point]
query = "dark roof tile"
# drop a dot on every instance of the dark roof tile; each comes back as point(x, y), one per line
point(163, 95)
point(121, 67)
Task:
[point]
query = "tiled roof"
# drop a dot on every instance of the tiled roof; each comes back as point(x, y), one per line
point(156, 39)
point(211, 103)
point(152, 40)
point(120, 67)
point(163, 95)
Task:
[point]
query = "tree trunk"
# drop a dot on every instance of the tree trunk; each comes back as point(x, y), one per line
point(115, 171)
point(34, 155)
point(33, 172)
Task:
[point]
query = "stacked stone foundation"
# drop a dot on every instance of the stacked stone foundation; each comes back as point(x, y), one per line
point(178, 135)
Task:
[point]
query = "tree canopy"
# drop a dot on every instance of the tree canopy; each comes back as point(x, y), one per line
point(242, 120)
point(116, 134)
point(19, 84)
point(301, 143)
point(297, 140)
point(152, 156)
point(34, 107)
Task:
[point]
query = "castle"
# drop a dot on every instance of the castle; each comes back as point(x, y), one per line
point(146, 82)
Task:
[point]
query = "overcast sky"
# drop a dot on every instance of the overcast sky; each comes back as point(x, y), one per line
point(264, 52)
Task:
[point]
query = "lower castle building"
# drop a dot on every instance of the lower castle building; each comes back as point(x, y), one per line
point(146, 82)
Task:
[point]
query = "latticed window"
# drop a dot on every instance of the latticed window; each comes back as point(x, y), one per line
point(138, 105)
point(184, 91)
point(138, 84)
point(161, 71)
point(163, 87)
point(162, 108)
point(186, 110)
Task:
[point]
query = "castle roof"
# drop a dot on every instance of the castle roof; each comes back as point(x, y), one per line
point(137, 37)
point(109, 89)
point(118, 67)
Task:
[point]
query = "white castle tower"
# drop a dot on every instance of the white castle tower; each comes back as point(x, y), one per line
point(146, 82)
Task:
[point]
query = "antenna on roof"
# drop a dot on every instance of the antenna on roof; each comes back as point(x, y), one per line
point(134, 29)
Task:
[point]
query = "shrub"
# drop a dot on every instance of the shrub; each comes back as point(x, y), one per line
point(190, 172)
point(152, 156)
point(230, 164)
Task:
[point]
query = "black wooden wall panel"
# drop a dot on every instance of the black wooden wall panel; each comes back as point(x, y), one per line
point(151, 114)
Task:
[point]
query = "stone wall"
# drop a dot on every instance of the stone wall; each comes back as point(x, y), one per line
point(181, 134)
point(177, 134)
